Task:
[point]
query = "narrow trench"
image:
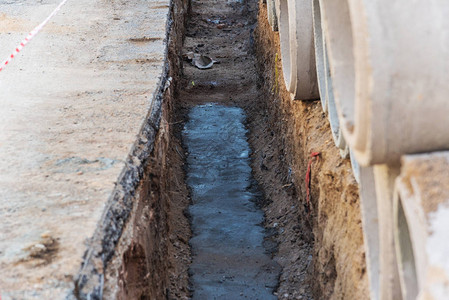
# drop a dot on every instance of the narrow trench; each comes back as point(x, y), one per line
point(222, 212)
point(228, 257)
point(236, 251)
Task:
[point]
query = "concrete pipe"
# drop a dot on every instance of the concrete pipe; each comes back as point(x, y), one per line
point(337, 134)
point(370, 224)
point(384, 177)
point(271, 13)
point(325, 80)
point(288, 62)
point(332, 114)
point(319, 53)
point(277, 9)
point(385, 65)
point(421, 215)
point(297, 49)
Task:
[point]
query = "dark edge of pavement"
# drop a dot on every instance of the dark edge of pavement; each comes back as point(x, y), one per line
point(89, 281)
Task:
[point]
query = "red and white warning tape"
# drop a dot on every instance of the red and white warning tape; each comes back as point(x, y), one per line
point(31, 35)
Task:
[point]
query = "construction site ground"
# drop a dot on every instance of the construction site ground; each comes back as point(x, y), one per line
point(74, 106)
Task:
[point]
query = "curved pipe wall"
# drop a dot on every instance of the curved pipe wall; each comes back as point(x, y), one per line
point(421, 226)
point(288, 61)
point(384, 177)
point(390, 75)
point(370, 225)
point(384, 66)
point(320, 54)
point(325, 80)
point(297, 49)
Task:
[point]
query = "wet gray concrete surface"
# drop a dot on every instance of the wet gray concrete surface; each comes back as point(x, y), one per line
point(229, 259)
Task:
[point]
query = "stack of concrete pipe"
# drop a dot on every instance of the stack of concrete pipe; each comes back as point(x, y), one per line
point(381, 70)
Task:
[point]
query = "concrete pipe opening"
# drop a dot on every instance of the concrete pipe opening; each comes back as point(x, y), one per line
point(288, 61)
point(319, 53)
point(339, 38)
point(297, 49)
point(405, 254)
point(302, 46)
point(421, 213)
point(381, 77)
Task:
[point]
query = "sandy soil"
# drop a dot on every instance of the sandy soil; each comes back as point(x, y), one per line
point(319, 246)
point(296, 130)
point(226, 33)
point(153, 255)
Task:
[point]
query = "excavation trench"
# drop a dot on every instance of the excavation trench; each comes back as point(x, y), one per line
point(234, 246)
point(222, 210)
point(250, 236)
point(216, 164)
point(229, 259)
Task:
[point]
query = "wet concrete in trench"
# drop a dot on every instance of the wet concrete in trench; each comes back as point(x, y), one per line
point(229, 259)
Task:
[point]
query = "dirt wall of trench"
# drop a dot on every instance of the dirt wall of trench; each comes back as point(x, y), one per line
point(299, 128)
point(153, 254)
point(140, 249)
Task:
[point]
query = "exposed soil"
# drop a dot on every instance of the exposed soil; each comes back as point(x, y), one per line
point(319, 246)
point(152, 258)
point(297, 129)
point(225, 31)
